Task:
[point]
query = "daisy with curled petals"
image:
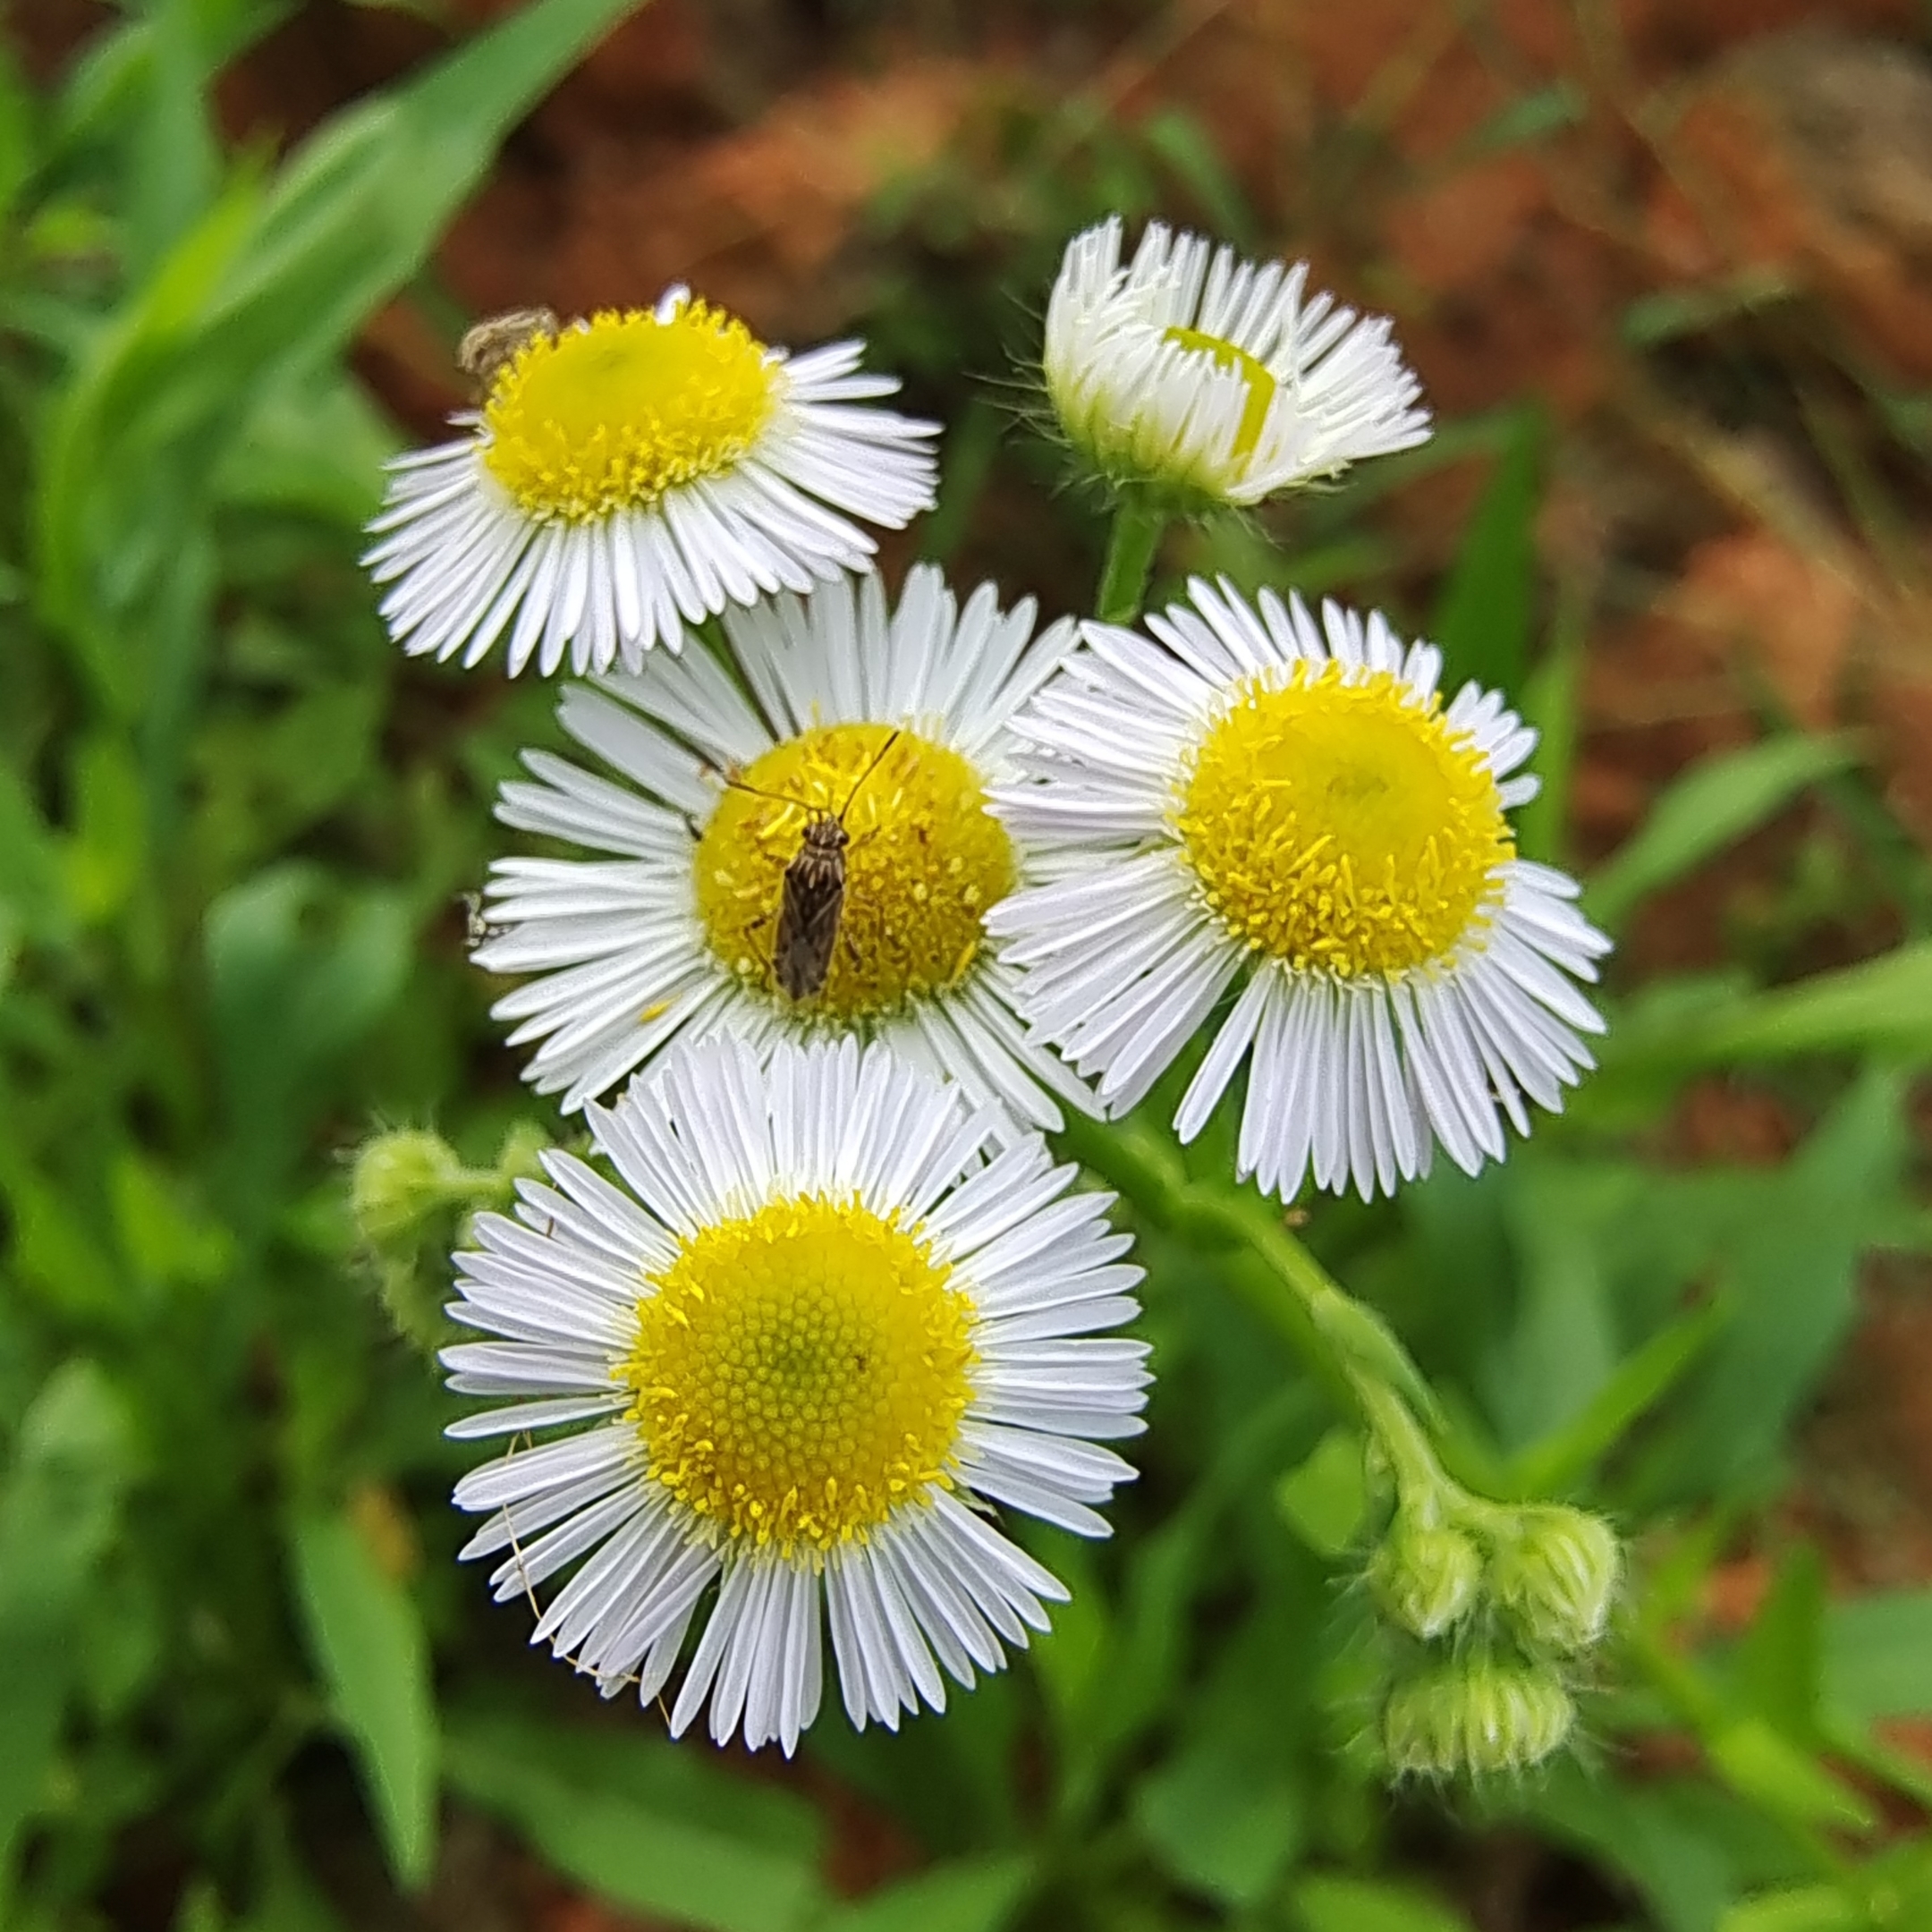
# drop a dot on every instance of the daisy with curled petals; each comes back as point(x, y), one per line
point(633, 472)
point(812, 1335)
point(1212, 380)
point(1296, 811)
point(894, 723)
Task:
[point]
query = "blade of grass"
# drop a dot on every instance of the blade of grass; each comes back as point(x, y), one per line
point(1710, 807)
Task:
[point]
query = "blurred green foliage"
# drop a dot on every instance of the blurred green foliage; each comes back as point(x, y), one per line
point(232, 833)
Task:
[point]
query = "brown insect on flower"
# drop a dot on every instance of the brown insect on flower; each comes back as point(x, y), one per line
point(479, 928)
point(494, 342)
point(812, 900)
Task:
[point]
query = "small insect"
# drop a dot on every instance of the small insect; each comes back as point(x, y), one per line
point(479, 928)
point(813, 900)
point(493, 342)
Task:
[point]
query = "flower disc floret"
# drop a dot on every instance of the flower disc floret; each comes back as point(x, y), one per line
point(924, 861)
point(1339, 823)
point(617, 412)
point(800, 1373)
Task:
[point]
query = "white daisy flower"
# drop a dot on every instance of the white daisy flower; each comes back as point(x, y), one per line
point(891, 724)
point(634, 472)
point(814, 1336)
point(1295, 809)
point(1213, 379)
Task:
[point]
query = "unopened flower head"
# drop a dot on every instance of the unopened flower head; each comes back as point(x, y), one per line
point(1212, 380)
point(1555, 1577)
point(634, 472)
point(809, 1327)
point(1473, 1715)
point(1263, 802)
point(891, 723)
point(1426, 1576)
point(401, 1179)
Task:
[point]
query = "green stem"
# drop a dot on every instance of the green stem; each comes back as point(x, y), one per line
point(1348, 1347)
point(1131, 543)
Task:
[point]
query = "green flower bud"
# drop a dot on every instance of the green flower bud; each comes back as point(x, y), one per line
point(401, 1179)
point(519, 1158)
point(1476, 1715)
point(1557, 1577)
point(1425, 1576)
point(412, 1297)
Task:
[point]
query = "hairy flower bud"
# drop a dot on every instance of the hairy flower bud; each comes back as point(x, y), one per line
point(1426, 1576)
point(401, 1179)
point(1557, 1577)
point(1476, 1715)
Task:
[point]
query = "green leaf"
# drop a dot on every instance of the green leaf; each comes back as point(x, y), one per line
point(174, 164)
point(1780, 1778)
point(1482, 621)
point(1780, 1662)
point(1877, 1656)
point(103, 857)
point(164, 1240)
point(59, 1511)
point(1530, 116)
point(1170, 1568)
point(1325, 1497)
point(269, 286)
point(56, 1251)
point(1329, 1902)
point(969, 1895)
point(123, 372)
point(1564, 1458)
point(1881, 1005)
point(650, 1826)
point(1219, 1824)
point(315, 448)
point(1791, 1274)
point(1670, 312)
point(1071, 1661)
point(16, 132)
point(1709, 808)
point(299, 972)
point(1807, 1908)
point(368, 1642)
point(1562, 1350)
point(1187, 148)
point(359, 207)
point(1690, 1845)
point(33, 892)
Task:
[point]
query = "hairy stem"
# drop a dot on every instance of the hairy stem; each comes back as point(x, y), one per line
point(1347, 1346)
point(1131, 543)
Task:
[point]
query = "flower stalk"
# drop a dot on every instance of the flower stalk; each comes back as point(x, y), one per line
point(1348, 1348)
point(1132, 543)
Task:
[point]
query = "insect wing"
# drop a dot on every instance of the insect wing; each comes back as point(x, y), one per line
point(808, 913)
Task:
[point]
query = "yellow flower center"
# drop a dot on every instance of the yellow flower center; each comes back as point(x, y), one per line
point(611, 415)
point(923, 862)
point(800, 1373)
point(1254, 374)
point(1340, 823)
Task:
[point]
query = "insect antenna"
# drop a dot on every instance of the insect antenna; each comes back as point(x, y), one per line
point(878, 758)
point(734, 782)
